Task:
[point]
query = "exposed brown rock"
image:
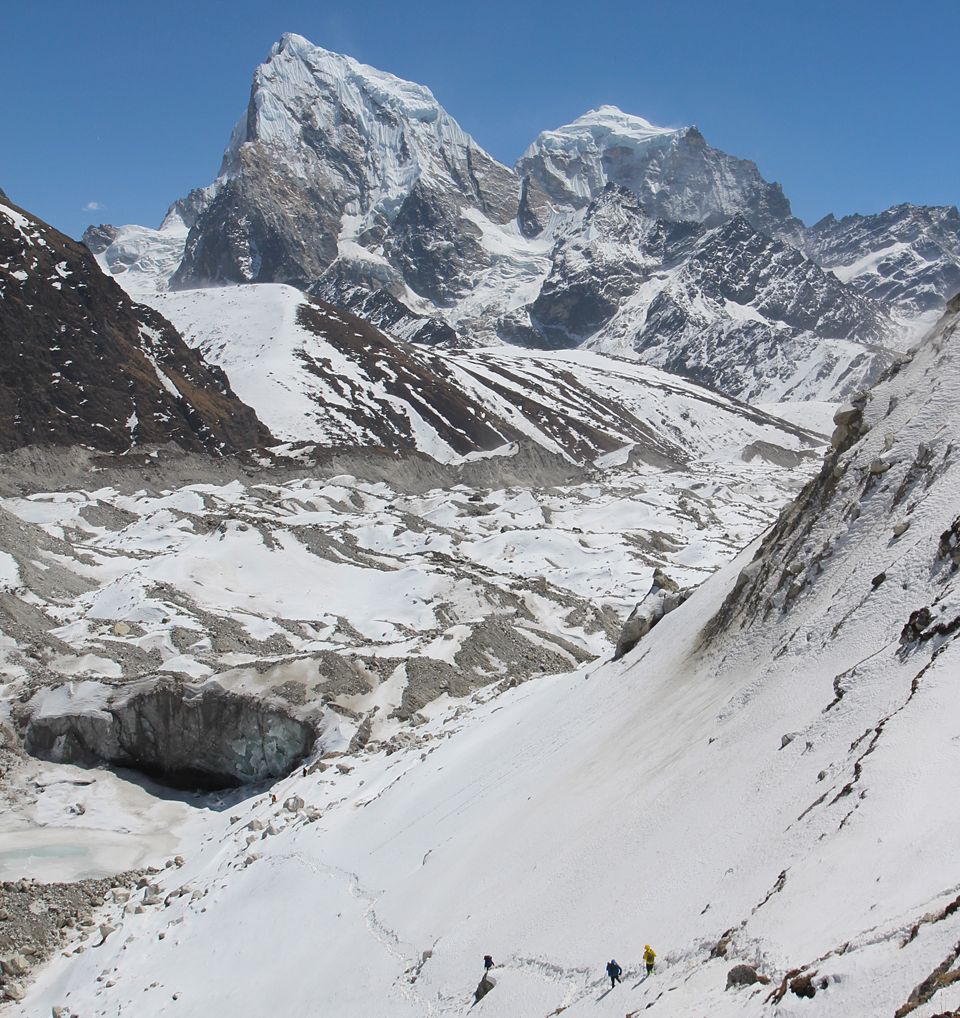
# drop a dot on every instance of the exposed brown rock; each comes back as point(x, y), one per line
point(81, 363)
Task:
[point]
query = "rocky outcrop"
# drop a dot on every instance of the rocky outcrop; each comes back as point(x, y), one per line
point(80, 363)
point(415, 391)
point(744, 975)
point(664, 596)
point(184, 736)
point(376, 304)
point(484, 987)
point(849, 424)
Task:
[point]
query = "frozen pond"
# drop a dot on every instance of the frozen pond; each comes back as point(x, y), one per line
point(72, 823)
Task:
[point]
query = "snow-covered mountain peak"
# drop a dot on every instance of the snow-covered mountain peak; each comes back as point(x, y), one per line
point(907, 256)
point(602, 126)
point(358, 186)
point(673, 171)
point(331, 157)
point(307, 101)
point(571, 162)
point(406, 97)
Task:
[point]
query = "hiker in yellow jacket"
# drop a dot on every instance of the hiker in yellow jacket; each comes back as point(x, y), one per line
point(650, 957)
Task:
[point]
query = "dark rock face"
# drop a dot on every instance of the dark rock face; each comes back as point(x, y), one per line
point(793, 306)
point(485, 986)
point(263, 225)
point(184, 737)
point(949, 545)
point(664, 596)
point(99, 238)
point(80, 363)
point(695, 184)
point(738, 263)
point(534, 210)
point(803, 985)
point(435, 251)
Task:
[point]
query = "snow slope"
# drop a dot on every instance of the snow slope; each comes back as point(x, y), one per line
point(317, 374)
point(773, 786)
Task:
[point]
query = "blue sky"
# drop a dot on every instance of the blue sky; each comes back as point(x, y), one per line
point(851, 105)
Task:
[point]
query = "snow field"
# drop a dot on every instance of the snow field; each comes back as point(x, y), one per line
point(775, 787)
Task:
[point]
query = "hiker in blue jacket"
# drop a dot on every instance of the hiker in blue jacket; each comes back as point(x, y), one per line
point(614, 972)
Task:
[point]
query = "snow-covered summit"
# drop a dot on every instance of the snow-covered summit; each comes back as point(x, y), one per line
point(331, 157)
point(601, 127)
point(408, 97)
point(357, 186)
point(673, 171)
point(301, 89)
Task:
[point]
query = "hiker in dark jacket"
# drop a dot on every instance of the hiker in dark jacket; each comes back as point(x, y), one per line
point(488, 963)
point(614, 972)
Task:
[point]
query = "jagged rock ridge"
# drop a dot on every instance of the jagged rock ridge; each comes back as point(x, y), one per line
point(908, 257)
point(730, 306)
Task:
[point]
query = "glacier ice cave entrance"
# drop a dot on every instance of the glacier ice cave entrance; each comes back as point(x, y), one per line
point(180, 736)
